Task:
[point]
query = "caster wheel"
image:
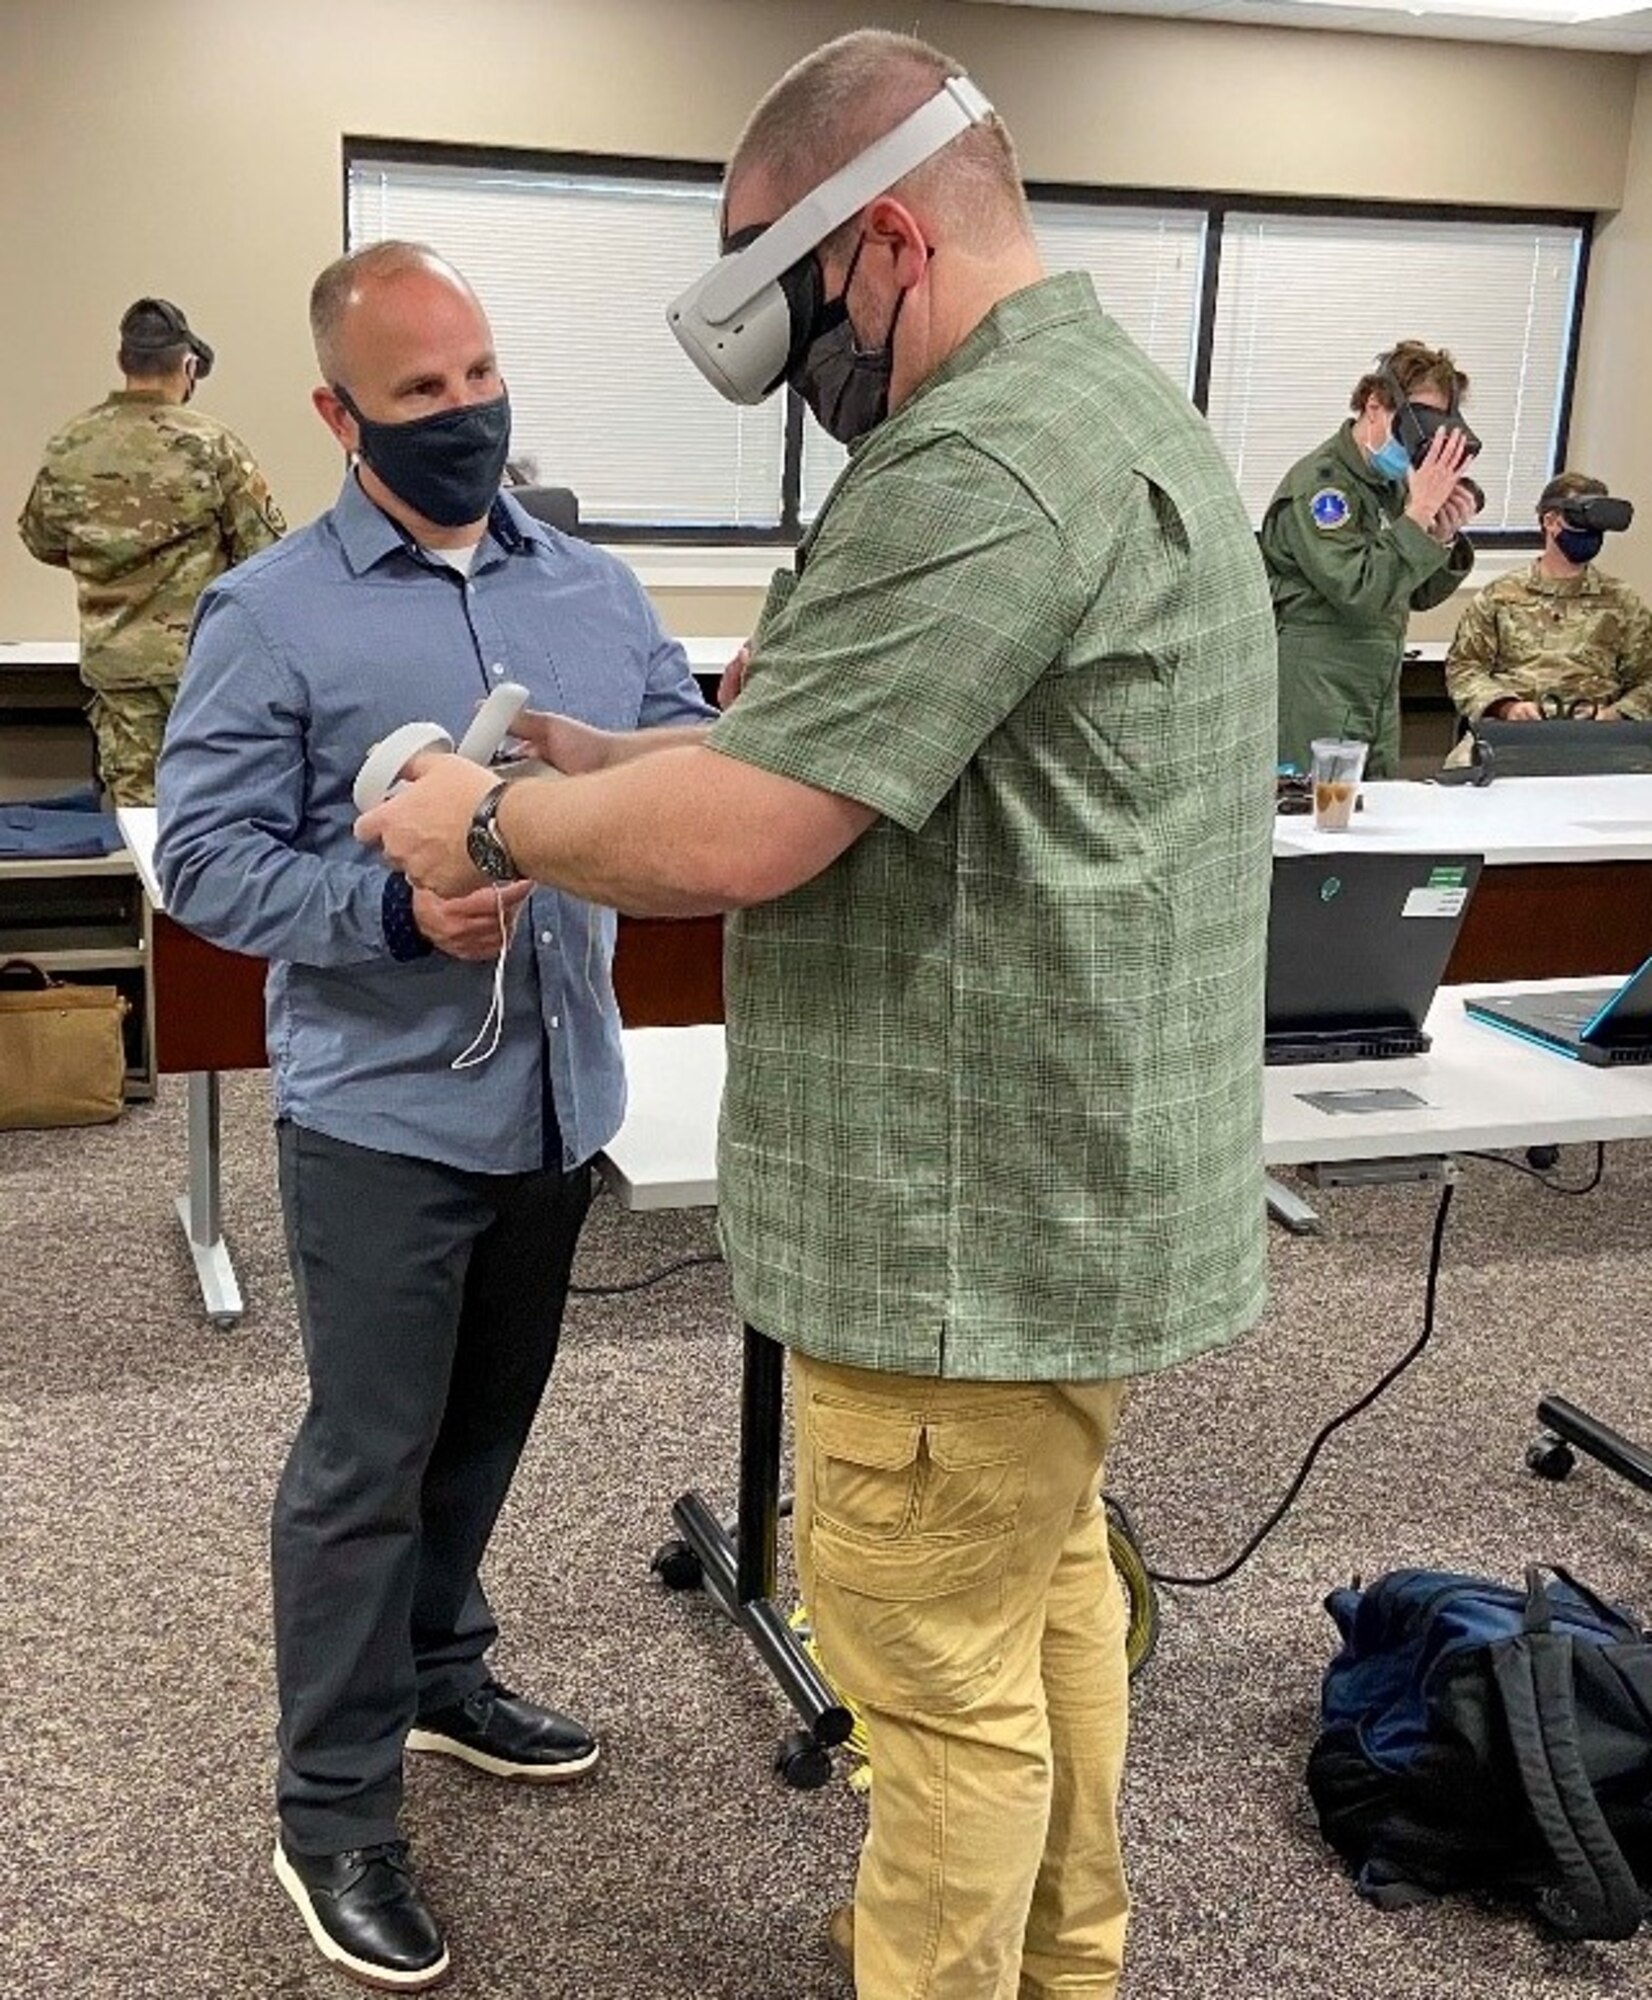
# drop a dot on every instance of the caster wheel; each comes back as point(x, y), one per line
point(677, 1566)
point(1550, 1457)
point(802, 1762)
point(1542, 1159)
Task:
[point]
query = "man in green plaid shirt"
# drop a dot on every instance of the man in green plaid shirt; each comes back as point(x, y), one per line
point(993, 812)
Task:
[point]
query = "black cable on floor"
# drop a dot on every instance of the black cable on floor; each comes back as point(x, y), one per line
point(1347, 1416)
point(1541, 1178)
point(642, 1284)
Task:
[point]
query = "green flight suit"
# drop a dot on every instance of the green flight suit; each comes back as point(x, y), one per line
point(1347, 569)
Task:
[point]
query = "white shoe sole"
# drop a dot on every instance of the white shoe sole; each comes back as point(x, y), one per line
point(498, 1767)
point(380, 1977)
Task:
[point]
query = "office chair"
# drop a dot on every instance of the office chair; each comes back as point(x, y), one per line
point(556, 506)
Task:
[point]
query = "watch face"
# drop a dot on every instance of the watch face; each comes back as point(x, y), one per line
point(487, 853)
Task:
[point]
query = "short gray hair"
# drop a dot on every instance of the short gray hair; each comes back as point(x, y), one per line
point(332, 292)
point(837, 101)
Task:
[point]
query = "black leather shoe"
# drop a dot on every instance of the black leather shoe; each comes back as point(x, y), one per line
point(499, 1732)
point(365, 1913)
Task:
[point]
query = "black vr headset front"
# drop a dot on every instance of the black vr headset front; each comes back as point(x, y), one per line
point(1593, 513)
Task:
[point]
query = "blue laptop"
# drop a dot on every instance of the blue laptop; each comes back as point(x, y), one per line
point(1580, 1025)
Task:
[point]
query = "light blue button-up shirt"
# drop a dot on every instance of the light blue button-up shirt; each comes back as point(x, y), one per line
point(303, 658)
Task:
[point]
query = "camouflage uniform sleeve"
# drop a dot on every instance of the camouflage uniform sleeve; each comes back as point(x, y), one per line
point(1471, 662)
point(1635, 703)
point(41, 529)
point(247, 512)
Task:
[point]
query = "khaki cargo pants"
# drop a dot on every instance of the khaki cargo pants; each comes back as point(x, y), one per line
point(129, 724)
point(953, 1554)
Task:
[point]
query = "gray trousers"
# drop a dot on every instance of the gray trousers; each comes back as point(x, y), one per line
point(431, 1300)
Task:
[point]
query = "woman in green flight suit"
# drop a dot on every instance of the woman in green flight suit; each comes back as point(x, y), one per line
point(1356, 539)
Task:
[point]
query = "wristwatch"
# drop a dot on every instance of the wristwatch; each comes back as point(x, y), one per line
point(482, 843)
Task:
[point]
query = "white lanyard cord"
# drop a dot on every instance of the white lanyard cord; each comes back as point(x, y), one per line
point(493, 1027)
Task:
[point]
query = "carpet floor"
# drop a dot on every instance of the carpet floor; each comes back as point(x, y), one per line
point(139, 1447)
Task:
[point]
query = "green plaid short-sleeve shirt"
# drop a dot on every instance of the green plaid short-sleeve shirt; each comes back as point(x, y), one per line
point(994, 1096)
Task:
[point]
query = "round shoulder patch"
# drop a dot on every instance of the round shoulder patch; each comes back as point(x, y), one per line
point(1329, 507)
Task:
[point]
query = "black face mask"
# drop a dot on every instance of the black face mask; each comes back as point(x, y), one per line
point(846, 385)
point(1579, 545)
point(447, 466)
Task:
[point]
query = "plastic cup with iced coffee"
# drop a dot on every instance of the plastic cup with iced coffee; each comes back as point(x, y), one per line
point(1337, 769)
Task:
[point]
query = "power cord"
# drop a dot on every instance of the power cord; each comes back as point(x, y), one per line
point(1542, 1178)
point(642, 1284)
point(1430, 1294)
point(1337, 1422)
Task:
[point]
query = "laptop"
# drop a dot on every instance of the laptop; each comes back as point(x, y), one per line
point(1583, 1026)
point(1357, 946)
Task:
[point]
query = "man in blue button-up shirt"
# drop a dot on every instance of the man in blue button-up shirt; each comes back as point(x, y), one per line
point(431, 1211)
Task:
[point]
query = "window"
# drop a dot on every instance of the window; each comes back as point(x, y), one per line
point(576, 270)
point(1305, 303)
point(1264, 313)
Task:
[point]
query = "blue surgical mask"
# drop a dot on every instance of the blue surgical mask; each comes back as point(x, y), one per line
point(1391, 459)
point(1579, 545)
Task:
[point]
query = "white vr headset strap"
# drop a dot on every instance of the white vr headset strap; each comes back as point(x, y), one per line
point(734, 283)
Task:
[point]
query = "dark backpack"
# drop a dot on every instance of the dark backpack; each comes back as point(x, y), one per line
point(1486, 1739)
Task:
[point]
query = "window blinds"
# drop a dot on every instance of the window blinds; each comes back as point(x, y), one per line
point(1305, 304)
point(575, 275)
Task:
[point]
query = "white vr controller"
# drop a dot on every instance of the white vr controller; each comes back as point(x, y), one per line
point(385, 762)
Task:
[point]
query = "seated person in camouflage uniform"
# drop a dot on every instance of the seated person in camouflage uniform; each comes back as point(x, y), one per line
point(1557, 639)
point(145, 503)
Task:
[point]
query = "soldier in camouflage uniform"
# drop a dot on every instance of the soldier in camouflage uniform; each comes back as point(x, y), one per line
point(1558, 639)
point(1355, 540)
point(145, 502)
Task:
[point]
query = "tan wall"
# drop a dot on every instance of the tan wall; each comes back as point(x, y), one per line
point(1612, 420)
point(192, 148)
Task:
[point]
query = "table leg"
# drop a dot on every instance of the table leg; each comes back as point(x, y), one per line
point(198, 1210)
point(1290, 1209)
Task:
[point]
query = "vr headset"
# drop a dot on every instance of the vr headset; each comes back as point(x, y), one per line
point(746, 323)
point(1594, 512)
point(152, 326)
point(1416, 423)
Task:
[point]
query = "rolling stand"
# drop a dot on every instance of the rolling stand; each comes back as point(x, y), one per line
point(1568, 1430)
point(735, 1563)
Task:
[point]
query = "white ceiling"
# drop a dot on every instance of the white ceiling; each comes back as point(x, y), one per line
point(1631, 33)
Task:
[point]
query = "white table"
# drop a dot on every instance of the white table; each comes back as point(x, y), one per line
point(1607, 818)
point(200, 1208)
point(1481, 1091)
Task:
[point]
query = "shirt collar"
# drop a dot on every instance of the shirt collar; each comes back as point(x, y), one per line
point(136, 396)
point(1586, 585)
point(1358, 464)
point(368, 535)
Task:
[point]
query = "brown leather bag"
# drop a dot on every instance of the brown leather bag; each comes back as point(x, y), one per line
point(62, 1056)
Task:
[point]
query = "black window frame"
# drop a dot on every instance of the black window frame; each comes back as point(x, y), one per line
point(1216, 208)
